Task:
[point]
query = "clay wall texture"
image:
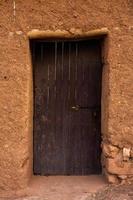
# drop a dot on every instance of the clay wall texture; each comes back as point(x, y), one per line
point(19, 17)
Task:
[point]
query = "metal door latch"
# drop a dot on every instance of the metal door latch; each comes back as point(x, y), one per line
point(91, 108)
point(76, 108)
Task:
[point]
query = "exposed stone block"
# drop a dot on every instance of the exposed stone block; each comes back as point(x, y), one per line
point(126, 153)
point(115, 167)
point(123, 177)
point(131, 153)
point(112, 178)
point(109, 150)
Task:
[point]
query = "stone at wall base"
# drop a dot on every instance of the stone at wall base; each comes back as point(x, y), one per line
point(110, 150)
point(113, 179)
point(120, 168)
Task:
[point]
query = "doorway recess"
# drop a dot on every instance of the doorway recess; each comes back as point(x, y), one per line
point(67, 106)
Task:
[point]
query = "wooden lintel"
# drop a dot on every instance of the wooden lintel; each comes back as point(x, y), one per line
point(73, 33)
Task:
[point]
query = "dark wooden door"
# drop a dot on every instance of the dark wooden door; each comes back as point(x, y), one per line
point(67, 103)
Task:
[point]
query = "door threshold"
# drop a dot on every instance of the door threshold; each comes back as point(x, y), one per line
point(65, 187)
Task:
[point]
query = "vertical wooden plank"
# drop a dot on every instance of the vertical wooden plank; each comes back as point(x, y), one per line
point(37, 110)
point(66, 93)
point(58, 111)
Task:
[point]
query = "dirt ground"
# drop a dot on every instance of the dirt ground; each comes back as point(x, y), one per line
point(120, 192)
point(106, 192)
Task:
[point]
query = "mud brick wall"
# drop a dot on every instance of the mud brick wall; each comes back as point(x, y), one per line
point(17, 18)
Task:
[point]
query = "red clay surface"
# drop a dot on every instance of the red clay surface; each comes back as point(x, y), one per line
point(66, 187)
point(72, 188)
point(60, 188)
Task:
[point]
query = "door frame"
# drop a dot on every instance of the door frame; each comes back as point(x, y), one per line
point(74, 34)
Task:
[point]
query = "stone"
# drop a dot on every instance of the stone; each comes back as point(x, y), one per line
point(19, 32)
point(122, 177)
point(75, 31)
point(114, 167)
point(131, 153)
point(110, 150)
point(126, 154)
point(117, 28)
point(113, 179)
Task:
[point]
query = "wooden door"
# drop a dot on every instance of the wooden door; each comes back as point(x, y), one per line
point(67, 104)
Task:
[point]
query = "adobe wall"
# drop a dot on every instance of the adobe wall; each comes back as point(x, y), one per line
point(16, 20)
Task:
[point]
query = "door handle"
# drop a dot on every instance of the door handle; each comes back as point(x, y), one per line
point(93, 108)
point(76, 108)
